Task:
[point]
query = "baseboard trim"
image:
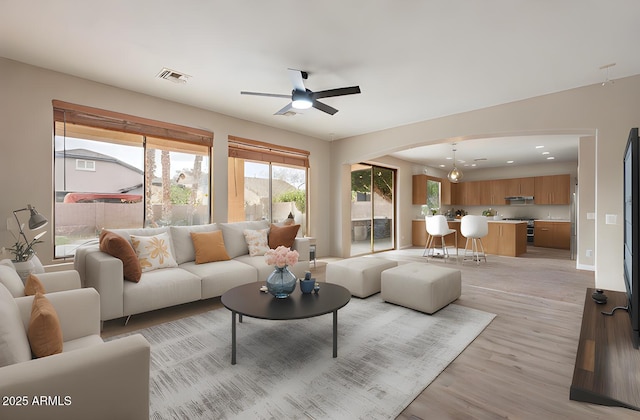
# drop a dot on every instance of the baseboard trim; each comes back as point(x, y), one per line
point(586, 267)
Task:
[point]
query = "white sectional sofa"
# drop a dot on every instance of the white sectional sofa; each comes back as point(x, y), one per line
point(185, 283)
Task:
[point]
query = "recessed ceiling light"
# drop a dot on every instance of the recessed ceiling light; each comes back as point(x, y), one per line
point(539, 147)
point(509, 161)
point(545, 153)
point(550, 158)
point(449, 158)
point(442, 166)
point(473, 164)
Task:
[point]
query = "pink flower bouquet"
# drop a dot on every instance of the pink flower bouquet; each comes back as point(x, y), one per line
point(281, 257)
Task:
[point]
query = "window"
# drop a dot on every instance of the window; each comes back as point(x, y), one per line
point(118, 171)
point(433, 195)
point(267, 182)
point(85, 165)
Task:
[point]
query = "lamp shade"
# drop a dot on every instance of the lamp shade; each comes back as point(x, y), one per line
point(455, 175)
point(36, 220)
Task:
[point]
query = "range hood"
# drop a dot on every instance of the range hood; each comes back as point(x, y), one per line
point(519, 199)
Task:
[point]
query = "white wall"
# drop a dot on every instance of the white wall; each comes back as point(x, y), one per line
point(26, 161)
point(608, 112)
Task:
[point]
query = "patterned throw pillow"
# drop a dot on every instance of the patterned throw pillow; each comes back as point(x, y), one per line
point(153, 251)
point(257, 241)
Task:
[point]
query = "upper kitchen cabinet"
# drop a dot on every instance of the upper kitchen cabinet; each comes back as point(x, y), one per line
point(552, 189)
point(519, 187)
point(419, 191)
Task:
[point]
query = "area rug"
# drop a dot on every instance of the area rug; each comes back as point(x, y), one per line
point(387, 355)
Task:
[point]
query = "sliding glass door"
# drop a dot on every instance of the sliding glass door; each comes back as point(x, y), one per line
point(372, 209)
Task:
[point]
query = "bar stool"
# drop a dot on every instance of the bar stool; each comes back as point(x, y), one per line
point(437, 227)
point(474, 228)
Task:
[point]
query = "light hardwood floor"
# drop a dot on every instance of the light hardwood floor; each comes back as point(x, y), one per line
point(520, 367)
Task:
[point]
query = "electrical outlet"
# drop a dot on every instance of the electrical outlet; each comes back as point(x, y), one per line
point(589, 253)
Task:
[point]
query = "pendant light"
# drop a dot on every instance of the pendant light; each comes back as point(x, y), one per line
point(455, 175)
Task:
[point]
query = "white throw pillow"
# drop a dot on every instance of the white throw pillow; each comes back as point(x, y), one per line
point(257, 241)
point(14, 345)
point(234, 238)
point(153, 251)
point(12, 281)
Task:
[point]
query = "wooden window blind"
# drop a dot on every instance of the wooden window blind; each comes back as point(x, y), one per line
point(65, 112)
point(265, 152)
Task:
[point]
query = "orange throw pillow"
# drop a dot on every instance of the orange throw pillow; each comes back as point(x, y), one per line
point(209, 247)
point(44, 332)
point(33, 286)
point(282, 235)
point(117, 246)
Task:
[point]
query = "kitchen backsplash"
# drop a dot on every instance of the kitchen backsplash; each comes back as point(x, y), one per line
point(554, 212)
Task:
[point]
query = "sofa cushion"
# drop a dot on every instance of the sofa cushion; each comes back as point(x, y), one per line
point(117, 246)
point(282, 235)
point(126, 233)
point(221, 276)
point(182, 242)
point(14, 346)
point(154, 252)
point(257, 241)
point(160, 289)
point(45, 333)
point(209, 247)
point(234, 237)
point(33, 286)
point(12, 281)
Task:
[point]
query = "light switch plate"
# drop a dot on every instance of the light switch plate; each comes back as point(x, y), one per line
point(591, 216)
point(611, 219)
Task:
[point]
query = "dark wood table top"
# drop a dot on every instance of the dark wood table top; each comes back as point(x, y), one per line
point(248, 300)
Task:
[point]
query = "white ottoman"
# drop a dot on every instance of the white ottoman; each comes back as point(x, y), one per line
point(360, 275)
point(423, 287)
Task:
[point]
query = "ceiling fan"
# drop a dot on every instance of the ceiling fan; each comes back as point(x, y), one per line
point(303, 98)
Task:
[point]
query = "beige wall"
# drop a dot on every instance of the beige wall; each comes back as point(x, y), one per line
point(26, 166)
point(607, 112)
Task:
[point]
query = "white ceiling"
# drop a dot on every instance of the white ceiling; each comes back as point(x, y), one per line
point(417, 61)
point(495, 152)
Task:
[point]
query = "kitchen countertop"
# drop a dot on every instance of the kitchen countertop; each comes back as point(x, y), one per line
point(553, 220)
point(512, 222)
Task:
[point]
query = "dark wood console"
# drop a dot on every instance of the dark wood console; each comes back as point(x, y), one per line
point(607, 369)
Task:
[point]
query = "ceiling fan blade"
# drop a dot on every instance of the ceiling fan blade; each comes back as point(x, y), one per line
point(297, 79)
point(284, 110)
point(272, 95)
point(336, 92)
point(324, 107)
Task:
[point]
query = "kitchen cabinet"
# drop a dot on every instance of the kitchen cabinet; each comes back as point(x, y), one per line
point(419, 189)
point(418, 232)
point(552, 189)
point(552, 234)
point(506, 238)
point(519, 187)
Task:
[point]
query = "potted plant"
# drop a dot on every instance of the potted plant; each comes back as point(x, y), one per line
point(23, 255)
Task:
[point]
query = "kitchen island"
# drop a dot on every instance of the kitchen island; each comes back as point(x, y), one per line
point(505, 237)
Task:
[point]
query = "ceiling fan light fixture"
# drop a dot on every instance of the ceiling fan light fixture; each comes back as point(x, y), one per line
point(301, 100)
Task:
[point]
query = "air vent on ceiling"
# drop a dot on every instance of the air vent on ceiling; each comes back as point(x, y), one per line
point(173, 76)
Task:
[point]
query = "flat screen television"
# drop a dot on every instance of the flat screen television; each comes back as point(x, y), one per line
point(632, 230)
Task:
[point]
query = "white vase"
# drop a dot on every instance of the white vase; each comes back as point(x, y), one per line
point(24, 269)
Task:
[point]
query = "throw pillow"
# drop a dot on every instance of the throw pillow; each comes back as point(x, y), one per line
point(117, 246)
point(257, 241)
point(12, 281)
point(153, 252)
point(44, 332)
point(33, 286)
point(209, 247)
point(14, 346)
point(282, 235)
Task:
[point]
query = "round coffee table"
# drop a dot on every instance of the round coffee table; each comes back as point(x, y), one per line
point(249, 301)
